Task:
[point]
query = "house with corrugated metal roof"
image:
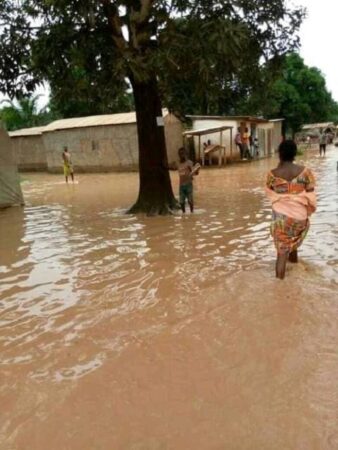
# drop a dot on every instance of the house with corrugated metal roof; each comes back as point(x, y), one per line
point(318, 128)
point(10, 189)
point(267, 132)
point(101, 143)
point(29, 149)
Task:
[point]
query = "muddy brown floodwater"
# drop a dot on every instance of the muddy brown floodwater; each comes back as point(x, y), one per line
point(167, 333)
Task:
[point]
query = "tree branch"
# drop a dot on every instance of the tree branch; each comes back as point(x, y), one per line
point(139, 24)
point(115, 25)
point(19, 27)
point(145, 10)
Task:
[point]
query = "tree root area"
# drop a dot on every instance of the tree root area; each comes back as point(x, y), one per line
point(152, 209)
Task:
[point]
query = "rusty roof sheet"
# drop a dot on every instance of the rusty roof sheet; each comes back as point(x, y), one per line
point(94, 121)
point(204, 131)
point(81, 122)
point(34, 131)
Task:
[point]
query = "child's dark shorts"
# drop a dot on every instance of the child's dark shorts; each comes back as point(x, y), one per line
point(186, 193)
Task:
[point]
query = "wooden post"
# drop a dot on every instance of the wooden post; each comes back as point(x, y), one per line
point(199, 150)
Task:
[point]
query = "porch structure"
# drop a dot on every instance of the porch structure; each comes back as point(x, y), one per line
point(208, 150)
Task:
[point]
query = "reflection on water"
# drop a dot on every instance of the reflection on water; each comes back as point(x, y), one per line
point(125, 332)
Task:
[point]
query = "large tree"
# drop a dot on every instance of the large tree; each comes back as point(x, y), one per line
point(298, 94)
point(102, 43)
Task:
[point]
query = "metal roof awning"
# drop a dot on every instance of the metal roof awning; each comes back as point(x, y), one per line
point(311, 126)
point(211, 148)
point(204, 131)
point(236, 118)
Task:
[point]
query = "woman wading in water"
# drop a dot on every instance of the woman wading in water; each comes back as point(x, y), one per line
point(290, 188)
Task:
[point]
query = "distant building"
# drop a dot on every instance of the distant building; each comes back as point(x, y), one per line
point(10, 189)
point(101, 143)
point(268, 132)
point(318, 128)
point(29, 149)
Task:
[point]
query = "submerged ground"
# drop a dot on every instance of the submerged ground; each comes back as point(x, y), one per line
point(121, 332)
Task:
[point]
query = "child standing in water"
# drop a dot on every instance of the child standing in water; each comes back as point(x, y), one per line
point(186, 173)
point(67, 164)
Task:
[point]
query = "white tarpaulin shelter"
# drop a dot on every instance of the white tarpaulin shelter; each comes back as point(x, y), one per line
point(10, 190)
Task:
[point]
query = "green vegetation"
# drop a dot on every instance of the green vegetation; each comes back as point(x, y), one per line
point(298, 94)
point(24, 113)
point(191, 55)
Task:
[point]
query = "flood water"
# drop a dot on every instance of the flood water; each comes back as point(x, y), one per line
point(166, 333)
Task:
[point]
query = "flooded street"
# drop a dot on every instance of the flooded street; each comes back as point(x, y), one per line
point(167, 333)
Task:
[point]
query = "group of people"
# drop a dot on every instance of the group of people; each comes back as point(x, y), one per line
point(247, 144)
point(290, 188)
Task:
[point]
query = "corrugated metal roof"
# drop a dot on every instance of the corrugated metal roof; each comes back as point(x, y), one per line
point(237, 118)
point(311, 126)
point(81, 122)
point(203, 131)
point(34, 131)
point(94, 121)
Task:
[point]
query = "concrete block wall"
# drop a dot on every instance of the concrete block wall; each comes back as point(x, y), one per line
point(94, 149)
point(30, 153)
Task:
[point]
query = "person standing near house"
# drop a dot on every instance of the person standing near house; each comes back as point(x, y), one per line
point(253, 145)
point(308, 142)
point(246, 143)
point(256, 147)
point(67, 164)
point(322, 143)
point(239, 142)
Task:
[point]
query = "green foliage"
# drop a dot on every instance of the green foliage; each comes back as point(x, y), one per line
point(206, 54)
point(195, 55)
point(213, 66)
point(24, 113)
point(299, 94)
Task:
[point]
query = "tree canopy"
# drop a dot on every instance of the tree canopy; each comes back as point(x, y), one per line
point(204, 51)
point(206, 54)
point(299, 94)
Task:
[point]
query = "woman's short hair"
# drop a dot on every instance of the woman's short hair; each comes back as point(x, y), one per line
point(287, 150)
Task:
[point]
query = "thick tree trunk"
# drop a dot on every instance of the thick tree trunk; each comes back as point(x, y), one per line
point(155, 191)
